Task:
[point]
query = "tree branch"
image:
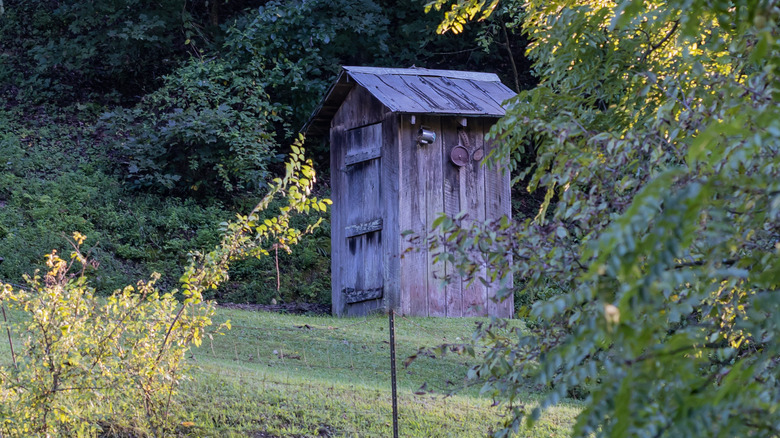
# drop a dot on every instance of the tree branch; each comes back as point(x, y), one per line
point(663, 41)
point(511, 57)
point(727, 262)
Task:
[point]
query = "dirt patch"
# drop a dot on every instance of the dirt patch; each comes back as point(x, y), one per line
point(291, 308)
point(261, 434)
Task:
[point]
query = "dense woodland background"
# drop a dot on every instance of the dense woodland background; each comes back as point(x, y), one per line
point(650, 264)
point(146, 124)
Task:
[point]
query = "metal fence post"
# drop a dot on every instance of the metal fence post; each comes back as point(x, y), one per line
point(391, 313)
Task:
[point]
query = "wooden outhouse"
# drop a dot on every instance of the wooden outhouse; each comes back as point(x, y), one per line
point(405, 146)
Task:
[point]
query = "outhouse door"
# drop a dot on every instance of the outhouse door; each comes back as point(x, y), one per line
point(363, 276)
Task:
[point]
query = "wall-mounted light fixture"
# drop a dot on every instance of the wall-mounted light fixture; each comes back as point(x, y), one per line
point(425, 136)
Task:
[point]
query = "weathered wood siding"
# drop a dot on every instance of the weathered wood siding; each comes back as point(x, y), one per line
point(452, 206)
point(391, 231)
point(385, 183)
point(499, 204)
point(432, 184)
point(473, 202)
point(412, 217)
point(357, 219)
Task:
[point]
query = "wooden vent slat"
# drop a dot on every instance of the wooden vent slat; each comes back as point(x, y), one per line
point(364, 228)
point(364, 155)
point(352, 296)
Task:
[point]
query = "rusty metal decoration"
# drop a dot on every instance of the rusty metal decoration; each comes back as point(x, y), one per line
point(459, 156)
point(461, 153)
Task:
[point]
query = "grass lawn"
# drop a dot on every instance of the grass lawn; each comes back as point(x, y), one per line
point(277, 375)
point(286, 375)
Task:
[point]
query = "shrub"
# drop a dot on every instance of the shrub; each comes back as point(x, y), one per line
point(87, 365)
point(526, 295)
point(48, 189)
point(75, 50)
point(207, 130)
point(299, 46)
point(86, 362)
point(56, 177)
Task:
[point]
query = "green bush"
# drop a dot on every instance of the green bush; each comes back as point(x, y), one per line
point(656, 130)
point(135, 233)
point(66, 50)
point(56, 177)
point(88, 366)
point(206, 130)
point(298, 46)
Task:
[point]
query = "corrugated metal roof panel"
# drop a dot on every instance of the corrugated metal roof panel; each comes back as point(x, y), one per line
point(417, 91)
point(414, 71)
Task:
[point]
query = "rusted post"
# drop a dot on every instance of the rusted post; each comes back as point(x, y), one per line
point(391, 313)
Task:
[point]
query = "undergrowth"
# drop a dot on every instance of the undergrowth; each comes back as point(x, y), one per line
point(57, 175)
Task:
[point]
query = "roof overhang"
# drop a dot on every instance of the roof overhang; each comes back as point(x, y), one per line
point(415, 91)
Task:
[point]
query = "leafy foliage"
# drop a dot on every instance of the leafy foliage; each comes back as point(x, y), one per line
point(205, 130)
point(69, 47)
point(461, 12)
point(57, 177)
point(86, 364)
point(656, 135)
point(302, 275)
point(298, 46)
point(66, 50)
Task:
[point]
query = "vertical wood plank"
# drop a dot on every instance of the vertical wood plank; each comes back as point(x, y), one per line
point(354, 267)
point(506, 308)
point(431, 155)
point(420, 299)
point(365, 270)
point(473, 203)
point(363, 187)
point(391, 242)
point(493, 213)
point(363, 262)
point(414, 272)
point(364, 138)
point(337, 211)
point(451, 188)
point(373, 260)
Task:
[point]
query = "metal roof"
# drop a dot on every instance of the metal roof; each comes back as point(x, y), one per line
point(415, 91)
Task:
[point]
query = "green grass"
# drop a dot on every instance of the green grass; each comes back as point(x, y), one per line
point(286, 375)
point(276, 375)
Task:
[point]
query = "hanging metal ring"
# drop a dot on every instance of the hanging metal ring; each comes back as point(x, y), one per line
point(459, 155)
